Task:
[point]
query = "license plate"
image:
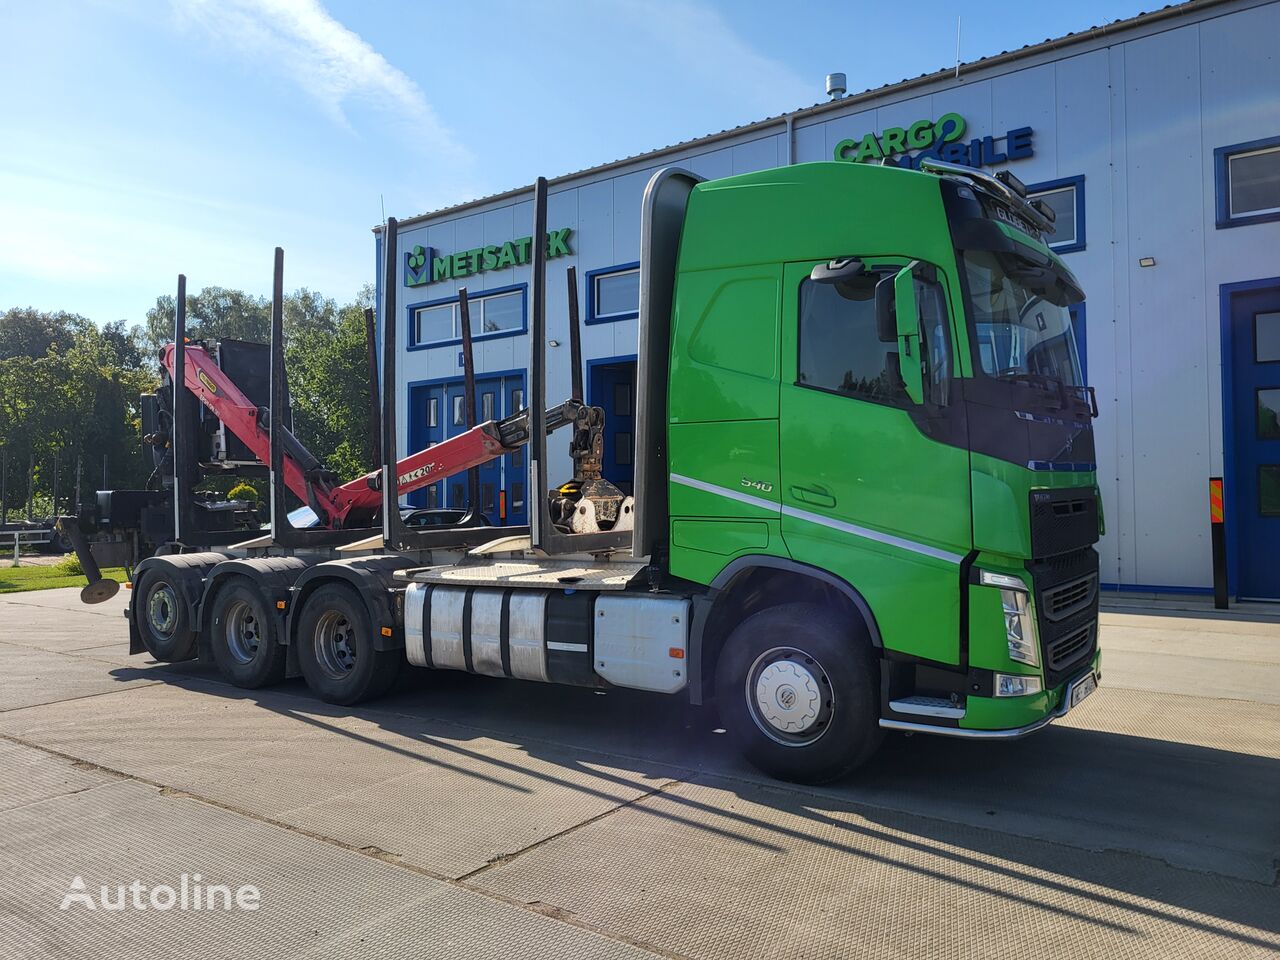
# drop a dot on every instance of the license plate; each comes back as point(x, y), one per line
point(1082, 688)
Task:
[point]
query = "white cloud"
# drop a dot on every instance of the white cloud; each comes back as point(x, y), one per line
point(330, 63)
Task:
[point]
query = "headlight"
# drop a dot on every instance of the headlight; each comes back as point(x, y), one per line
point(1008, 685)
point(1019, 625)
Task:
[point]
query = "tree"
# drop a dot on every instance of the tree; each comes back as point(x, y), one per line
point(70, 389)
point(27, 332)
point(213, 313)
point(329, 388)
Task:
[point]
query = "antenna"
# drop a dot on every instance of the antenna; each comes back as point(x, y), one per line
point(957, 46)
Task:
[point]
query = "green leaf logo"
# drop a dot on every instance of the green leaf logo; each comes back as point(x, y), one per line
point(417, 259)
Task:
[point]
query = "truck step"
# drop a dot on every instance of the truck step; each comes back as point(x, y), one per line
point(927, 707)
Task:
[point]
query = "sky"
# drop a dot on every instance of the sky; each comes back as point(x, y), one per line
point(142, 139)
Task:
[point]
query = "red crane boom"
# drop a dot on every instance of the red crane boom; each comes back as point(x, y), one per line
point(306, 477)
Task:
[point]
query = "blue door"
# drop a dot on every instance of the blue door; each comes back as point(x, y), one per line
point(613, 388)
point(426, 428)
point(513, 510)
point(436, 413)
point(1255, 424)
point(456, 423)
point(489, 407)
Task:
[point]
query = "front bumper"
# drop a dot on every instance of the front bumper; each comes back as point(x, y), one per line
point(982, 711)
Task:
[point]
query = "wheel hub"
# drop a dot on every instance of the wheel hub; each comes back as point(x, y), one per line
point(789, 696)
point(162, 610)
point(335, 645)
point(244, 632)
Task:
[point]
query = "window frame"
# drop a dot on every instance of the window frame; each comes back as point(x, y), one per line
point(1222, 183)
point(1049, 186)
point(594, 275)
point(473, 299)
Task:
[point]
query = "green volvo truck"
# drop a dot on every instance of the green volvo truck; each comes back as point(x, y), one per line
point(865, 495)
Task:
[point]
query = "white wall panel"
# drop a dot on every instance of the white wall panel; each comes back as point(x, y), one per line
point(1166, 309)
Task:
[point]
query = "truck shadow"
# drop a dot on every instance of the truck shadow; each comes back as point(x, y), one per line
point(1069, 823)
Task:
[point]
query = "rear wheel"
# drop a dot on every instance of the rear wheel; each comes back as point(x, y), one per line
point(243, 636)
point(797, 691)
point(163, 617)
point(335, 647)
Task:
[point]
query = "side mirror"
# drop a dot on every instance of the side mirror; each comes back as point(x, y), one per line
point(846, 268)
point(907, 312)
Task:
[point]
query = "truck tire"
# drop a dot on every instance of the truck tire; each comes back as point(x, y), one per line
point(798, 693)
point(335, 647)
point(242, 636)
point(163, 617)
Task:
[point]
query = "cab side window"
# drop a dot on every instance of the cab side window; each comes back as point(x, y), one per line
point(840, 351)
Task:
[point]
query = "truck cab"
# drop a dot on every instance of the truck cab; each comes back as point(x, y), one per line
point(875, 420)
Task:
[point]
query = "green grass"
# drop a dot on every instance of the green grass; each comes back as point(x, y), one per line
point(19, 579)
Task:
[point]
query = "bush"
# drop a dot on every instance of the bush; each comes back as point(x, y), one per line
point(243, 491)
point(70, 566)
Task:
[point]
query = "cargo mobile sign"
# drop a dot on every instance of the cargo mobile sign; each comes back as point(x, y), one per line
point(935, 139)
point(422, 265)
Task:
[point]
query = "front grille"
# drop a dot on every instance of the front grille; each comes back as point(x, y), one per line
point(1066, 599)
point(1066, 602)
point(1063, 520)
point(1065, 652)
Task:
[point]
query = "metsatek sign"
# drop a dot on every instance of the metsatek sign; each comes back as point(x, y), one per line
point(941, 139)
point(423, 265)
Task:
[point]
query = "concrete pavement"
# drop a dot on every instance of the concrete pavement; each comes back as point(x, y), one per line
point(466, 817)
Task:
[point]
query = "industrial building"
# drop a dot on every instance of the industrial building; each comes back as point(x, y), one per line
point(1157, 142)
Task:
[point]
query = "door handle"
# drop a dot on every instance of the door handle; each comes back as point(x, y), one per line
point(814, 496)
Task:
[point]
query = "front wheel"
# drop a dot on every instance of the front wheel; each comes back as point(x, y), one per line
point(335, 647)
point(797, 690)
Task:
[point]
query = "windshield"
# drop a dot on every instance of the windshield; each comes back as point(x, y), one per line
point(1021, 335)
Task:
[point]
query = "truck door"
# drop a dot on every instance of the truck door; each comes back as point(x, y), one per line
point(875, 486)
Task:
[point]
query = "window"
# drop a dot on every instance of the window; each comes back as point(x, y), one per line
point(459, 412)
point(1247, 182)
point(1269, 414)
point(433, 412)
point(499, 314)
point(436, 323)
point(1266, 337)
point(492, 315)
point(1269, 490)
point(622, 399)
point(840, 350)
point(486, 406)
point(613, 293)
point(1066, 199)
